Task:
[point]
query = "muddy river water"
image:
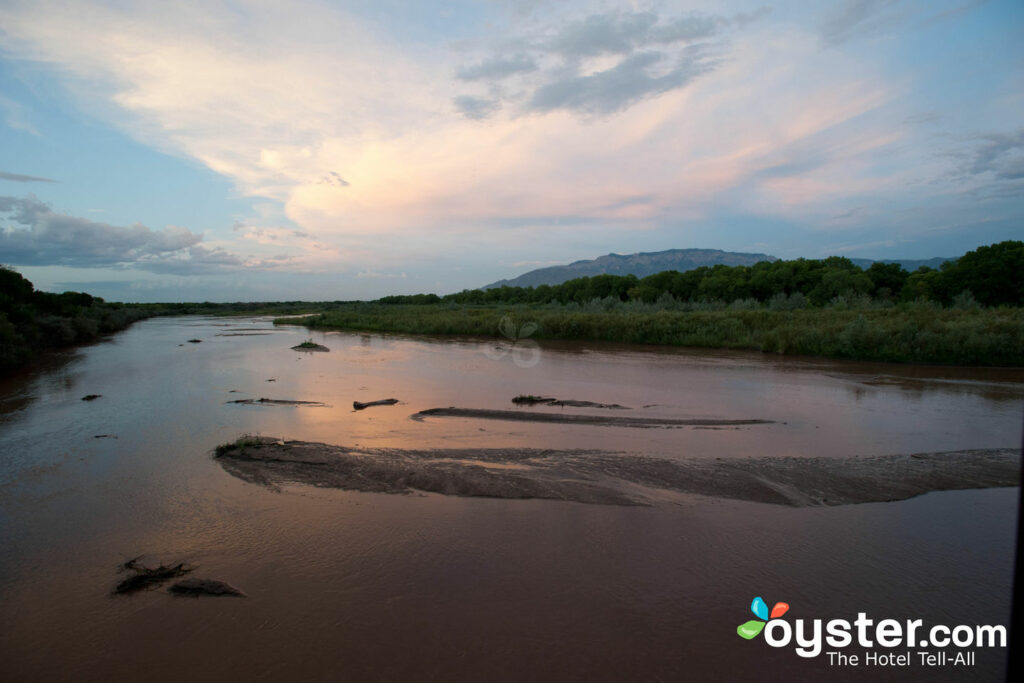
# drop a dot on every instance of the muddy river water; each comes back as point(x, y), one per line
point(359, 585)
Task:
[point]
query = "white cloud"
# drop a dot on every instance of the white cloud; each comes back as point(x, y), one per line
point(16, 116)
point(593, 122)
point(33, 234)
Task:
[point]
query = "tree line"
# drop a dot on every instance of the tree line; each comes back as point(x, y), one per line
point(32, 321)
point(989, 275)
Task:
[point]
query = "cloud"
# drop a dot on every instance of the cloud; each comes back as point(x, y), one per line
point(19, 178)
point(599, 64)
point(610, 33)
point(854, 18)
point(334, 179)
point(998, 154)
point(16, 116)
point(35, 235)
point(475, 108)
point(619, 87)
point(193, 260)
point(375, 275)
point(50, 238)
point(582, 124)
point(497, 68)
point(922, 118)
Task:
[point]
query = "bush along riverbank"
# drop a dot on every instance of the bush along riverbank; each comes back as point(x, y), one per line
point(919, 333)
point(32, 322)
point(969, 312)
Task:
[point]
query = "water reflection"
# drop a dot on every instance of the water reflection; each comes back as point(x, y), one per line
point(363, 586)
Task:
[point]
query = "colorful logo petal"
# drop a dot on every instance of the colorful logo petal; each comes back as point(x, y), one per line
point(750, 629)
point(779, 609)
point(759, 608)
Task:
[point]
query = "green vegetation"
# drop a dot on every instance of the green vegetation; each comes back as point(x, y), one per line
point(989, 275)
point(916, 332)
point(308, 344)
point(238, 308)
point(244, 441)
point(32, 321)
point(968, 313)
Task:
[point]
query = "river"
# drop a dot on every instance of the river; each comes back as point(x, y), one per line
point(346, 585)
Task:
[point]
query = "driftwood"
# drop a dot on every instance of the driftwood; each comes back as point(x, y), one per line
point(145, 578)
point(530, 400)
point(197, 587)
point(91, 397)
point(195, 341)
point(383, 402)
point(274, 402)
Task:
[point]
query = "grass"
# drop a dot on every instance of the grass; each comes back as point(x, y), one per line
point(917, 333)
point(244, 441)
point(308, 344)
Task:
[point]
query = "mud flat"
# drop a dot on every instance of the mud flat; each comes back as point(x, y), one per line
point(310, 347)
point(570, 418)
point(610, 478)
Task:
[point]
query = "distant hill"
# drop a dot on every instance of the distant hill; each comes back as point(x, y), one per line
point(649, 263)
point(641, 265)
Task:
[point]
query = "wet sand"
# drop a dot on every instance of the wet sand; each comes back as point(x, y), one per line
point(608, 478)
point(571, 418)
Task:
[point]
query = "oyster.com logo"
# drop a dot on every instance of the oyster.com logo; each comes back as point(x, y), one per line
point(752, 628)
point(881, 642)
point(525, 352)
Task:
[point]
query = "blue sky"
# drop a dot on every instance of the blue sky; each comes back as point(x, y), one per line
point(335, 150)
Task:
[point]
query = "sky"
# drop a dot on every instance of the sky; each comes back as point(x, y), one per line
point(325, 150)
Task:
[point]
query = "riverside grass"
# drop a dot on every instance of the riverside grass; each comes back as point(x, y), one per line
point(908, 333)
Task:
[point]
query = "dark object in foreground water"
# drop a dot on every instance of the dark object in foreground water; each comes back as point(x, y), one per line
point(91, 397)
point(197, 587)
point(145, 578)
point(383, 402)
point(274, 402)
point(530, 400)
point(195, 341)
point(309, 345)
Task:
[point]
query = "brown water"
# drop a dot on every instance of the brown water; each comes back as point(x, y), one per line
point(360, 586)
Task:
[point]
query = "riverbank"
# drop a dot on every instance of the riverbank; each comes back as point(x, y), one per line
point(905, 333)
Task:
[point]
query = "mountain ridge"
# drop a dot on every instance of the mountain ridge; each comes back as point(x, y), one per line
point(647, 263)
point(640, 264)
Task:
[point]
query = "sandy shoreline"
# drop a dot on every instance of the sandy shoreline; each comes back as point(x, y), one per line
point(610, 478)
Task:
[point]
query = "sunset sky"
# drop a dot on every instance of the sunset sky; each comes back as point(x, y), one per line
point(277, 150)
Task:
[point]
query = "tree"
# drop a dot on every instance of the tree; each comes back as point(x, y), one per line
point(887, 279)
point(993, 274)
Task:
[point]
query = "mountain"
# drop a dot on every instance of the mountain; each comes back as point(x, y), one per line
point(641, 265)
point(649, 263)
